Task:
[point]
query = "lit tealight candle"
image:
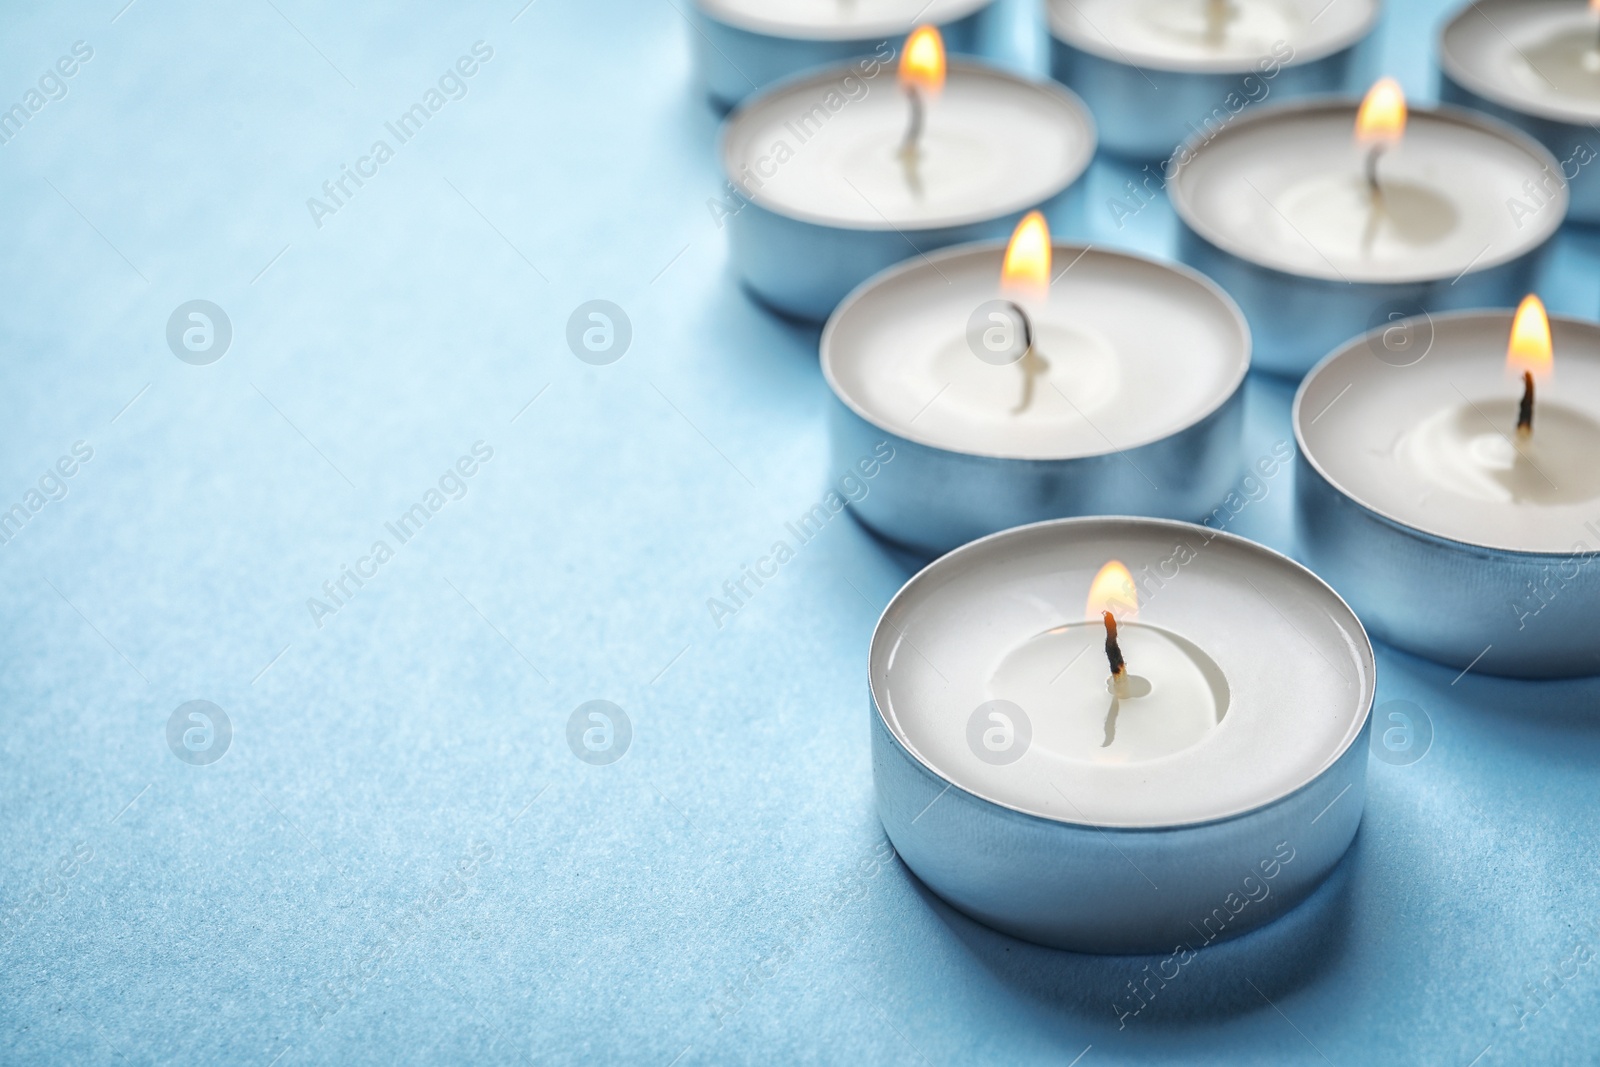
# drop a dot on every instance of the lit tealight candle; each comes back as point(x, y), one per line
point(742, 46)
point(1536, 65)
point(1155, 71)
point(1150, 694)
point(844, 172)
point(1013, 390)
point(1320, 239)
point(1094, 762)
point(1450, 439)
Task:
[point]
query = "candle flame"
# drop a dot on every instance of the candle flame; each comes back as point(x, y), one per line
point(1382, 118)
point(922, 61)
point(1112, 590)
point(1530, 348)
point(1026, 270)
point(1594, 7)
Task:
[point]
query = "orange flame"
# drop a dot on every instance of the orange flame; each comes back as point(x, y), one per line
point(1530, 348)
point(922, 61)
point(1594, 6)
point(1112, 590)
point(1026, 270)
point(1382, 118)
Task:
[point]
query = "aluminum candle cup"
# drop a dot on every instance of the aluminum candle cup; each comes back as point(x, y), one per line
point(1537, 66)
point(742, 46)
point(824, 200)
point(1156, 72)
point(1211, 790)
point(1277, 210)
point(1417, 500)
point(1137, 409)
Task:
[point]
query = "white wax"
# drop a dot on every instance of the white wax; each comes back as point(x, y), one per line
point(837, 19)
point(1135, 351)
point(1181, 34)
point(1260, 677)
point(827, 149)
point(1285, 188)
point(1171, 697)
point(1537, 56)
point(1434, 445)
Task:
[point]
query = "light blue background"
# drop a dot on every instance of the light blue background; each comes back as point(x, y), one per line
point(716, 896)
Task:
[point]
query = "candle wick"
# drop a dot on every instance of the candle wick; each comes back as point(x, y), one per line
point(910, 147)
point(1525, 409)
point(1372, 172)
point(1119, 666)
point(1217, 14)
point(1031, 362)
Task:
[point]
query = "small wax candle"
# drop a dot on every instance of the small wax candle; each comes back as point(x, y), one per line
point(1450, 488)
point(1086, 732)
point(1154, 72)
point(1435, 444)
point(1289, 189)
point(1321, 218)
point(1536, 65)
point(854, 168)
point(1127, 401)
point(1238, 705)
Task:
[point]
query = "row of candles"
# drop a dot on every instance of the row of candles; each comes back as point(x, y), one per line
point(1099, 751)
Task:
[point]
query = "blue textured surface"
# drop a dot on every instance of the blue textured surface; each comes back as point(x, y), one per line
point(718, 894)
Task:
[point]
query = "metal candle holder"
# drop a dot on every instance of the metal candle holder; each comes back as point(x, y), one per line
point(932, 499)
point(1569, 135)
point(1296, 318)
point(1447, 600)
point(1090, 888)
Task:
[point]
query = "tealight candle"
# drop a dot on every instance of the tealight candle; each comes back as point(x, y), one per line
point(1009, 398)
point(742, 46)
point(1155, 72)
point(1322, 230)
point(849, 170)
point(1537, 66)
point(1448, 486)
point(1087, 732)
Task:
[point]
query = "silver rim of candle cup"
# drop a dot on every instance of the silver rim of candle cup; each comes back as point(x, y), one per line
point(1448, 600)
point(1546, 227)
point(953, 11)
point(826, 75)
point(1065, 883)
point(1103, 48)
point(1063, 251)
point(1451, 66)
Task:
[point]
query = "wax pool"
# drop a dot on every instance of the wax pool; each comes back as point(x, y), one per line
point(1172, 696)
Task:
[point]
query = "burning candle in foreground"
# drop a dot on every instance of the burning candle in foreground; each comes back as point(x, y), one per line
point(1059, 685)
point(1080, 674)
